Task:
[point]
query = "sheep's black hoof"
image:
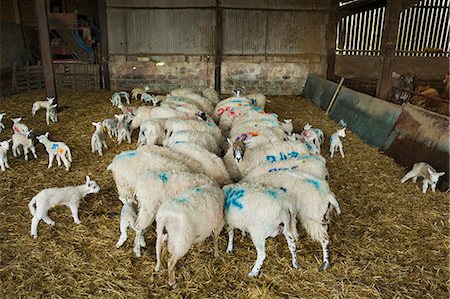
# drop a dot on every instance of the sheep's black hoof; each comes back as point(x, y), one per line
point(325, 266)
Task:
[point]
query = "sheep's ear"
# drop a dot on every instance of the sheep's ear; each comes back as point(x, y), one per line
point(54, 106)
point(46, 134)
point(289, 120)
point(116, 115)
point(9, 140)
point(441, 173)
point(88, 179)
point(430, 171)
point(229, 141)
point(94, 123)
point(19, 119)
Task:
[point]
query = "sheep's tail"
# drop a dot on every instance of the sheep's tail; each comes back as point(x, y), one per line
point(160, 226)
point(292, 224)
point(31, 206)
point(332, 200)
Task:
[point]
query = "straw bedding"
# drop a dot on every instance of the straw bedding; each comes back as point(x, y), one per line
point(391, 241)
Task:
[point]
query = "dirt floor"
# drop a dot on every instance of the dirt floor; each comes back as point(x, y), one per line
point(391, 241)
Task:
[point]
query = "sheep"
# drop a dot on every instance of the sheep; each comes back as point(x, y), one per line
point(18, 127)
point(251, 134)
point(58, 149)
point(68, 196)
point(227, 117)
point(151, 132)
point(141, 114)
point(208, 163)
point(287, 126)
point(116, 98)
point(2, 126)
point(147, 98)
point(127, 219)
point(183, 124)
point(202, 139)
point(110, 124)
point(123, 132)
point(98, 139)
point(263, 212)
point(50, 114)
point(313, 136)
point(211, 94)
point(138, 91)
point(4, 147)
point(169, 184)
point(188, 219)
point(27, 143)
point(427, 172)
point(42, 104)
point(421, 100)
point(127, 109)
point(124, 94)
point(257, 99)
point(313, 202)
point(312, 148)
point(228, 103)
point(336, 143)
point(179, 92)
point(201, 102)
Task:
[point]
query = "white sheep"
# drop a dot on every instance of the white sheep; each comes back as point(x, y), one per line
point(169, 184)
point(151, 132)
point(138, 91)
point(4, 147)
point(188, 219)
point(202, 139)
point(313, 202)
point(68, 196)
point(18, 127)
point(26, 141)
point(257, 99)
point(110, 124)
point(198, 101)
point(336, 143)
point(287, 126)
point(147, 98)
point(262, 212)
point(184, 124)
point(211, 94)
point(51, 114)
point(313, 137)
point(58, 149)
point(229, 103)
point(123, 132)
point(127, 219)
point(179, 92)
point(2, 126)
point(124, 94)
point(427, 172)
point(42, 104)
point(98, 139)
point(142, 113)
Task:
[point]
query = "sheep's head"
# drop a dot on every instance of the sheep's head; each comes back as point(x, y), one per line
point(5, 144)
point(2, 115)
point(201, 116)
point(238, 149)
point(16, 120)
point(341, 132)
point(50, 99)
point(92, 185)
point(434, 176)
point(307, 127)
point(42, 138)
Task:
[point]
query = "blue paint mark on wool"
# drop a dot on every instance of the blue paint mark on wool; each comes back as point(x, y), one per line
point(127, 154)
point(232, 198)
point(272, 193)
point(164, 177)
point(181, 199)
point(314, 182)
point(331, 138)
point(198, 189)
point(54, 146)
point(253, 101)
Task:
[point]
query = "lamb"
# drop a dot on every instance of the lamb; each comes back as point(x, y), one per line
point(58, 149)
point(313, 202)
point(312, 148)
point(4, 147)
point(263, 212)
point(123, 132)
point(110, 124)
point(116, 98)
point(2, 126)
point(18, 127)
point(427, 172)
point(147, 98)
point(68, 196)
point(27, 143)
point(151, 132)
point(287, 126)
point(313, 136)
point(188, 219)
point(42, 104)
point(127, 219)
point(336, 143)
point(202, 139)
point(169, 184)
point(98, 139)
point(211, 94)
point(127, 109)
point(138, 91)
point(50, 114)
point(124, 94)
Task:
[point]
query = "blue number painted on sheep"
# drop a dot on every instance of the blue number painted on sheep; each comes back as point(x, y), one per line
point(232, 198)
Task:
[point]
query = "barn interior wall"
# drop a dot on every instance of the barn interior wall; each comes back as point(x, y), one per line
point(13, 46)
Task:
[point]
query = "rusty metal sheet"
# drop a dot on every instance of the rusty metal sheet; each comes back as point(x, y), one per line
point(420, 135)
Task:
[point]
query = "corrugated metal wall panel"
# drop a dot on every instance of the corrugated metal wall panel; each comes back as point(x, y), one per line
point(160, 3)
point(6, 11)
point(244, 32)
point(191, 31)
point(117, 37)
point(296, 32)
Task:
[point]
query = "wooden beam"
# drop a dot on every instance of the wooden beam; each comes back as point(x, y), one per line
point(16, 9)
point(218, 51)
point(104, 55)
point(331, 39)
point(44, 45)
point(388, 42)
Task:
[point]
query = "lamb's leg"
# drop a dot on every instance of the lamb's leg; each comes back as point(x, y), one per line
point(33, 151)
point(171, 268)
point(14, 150)
point(259, 242)
point(58, 159)
point(74, 209)
point(325, 258)
point(433, 187)
point(40, 212)
point(409, 175)
point(230, 239)
point(291, 244)
point(341, 150)
point(25, 153)
point(2, 165)
point(425, 186)
point(65, 161)
point(48, 220)
point(331, 151)
point(104, 144)
point(50, 159)
point(123, 232)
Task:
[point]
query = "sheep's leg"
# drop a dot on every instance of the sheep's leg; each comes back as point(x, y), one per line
point(33, 151)
point(2, 165)
point(331, 151)
point(409, 175)
point(325, 258)
point(58, 159)
point(25, 153)
point(129, 137)
point(433, 187)
point(14, 150)
point(414, 179)
point(40, 212)
point(216, 233)
point(341, 150)
point(74, 210)
point(160, 237)
point(48, 220)
point(291, 244)
point(171, 268)
point(259, 243)
point(230, 239)
point(104, 144)
point(425, 186)
point(50, 159)
point(65, 161)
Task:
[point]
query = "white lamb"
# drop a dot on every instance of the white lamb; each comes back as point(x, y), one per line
point(42, 104)
point(262, 212)
point(98, 139)
point(427, 172)
point(151, 132)
point(68, 196)
point(2, 126)
point(127, 219)
point(123, 132)
point(202, 139)
point(147, 98)
point(26, 141)
point(313, 137)
point(124, 94)
point(127, 109)
point(18, 127)
point(138, 91)
point(110, 124)
point(116, 98)
point(287, 126)
point(188, 219)
point(4, 147)
point(336, 143)
point(169, 184)
point(211, 94)
point(58, 149)
point(313, 201)
point(51, 114)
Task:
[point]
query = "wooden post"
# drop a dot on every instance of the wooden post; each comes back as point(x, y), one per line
point(44, 45)
point(331, 39)
point(388, 42)
point(104, 55)
point(335, 95)
point(218, 51)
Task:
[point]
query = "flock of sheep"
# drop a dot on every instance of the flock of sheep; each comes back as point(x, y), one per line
point(200, 163)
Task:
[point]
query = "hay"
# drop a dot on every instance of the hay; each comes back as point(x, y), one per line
point(390, 241)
